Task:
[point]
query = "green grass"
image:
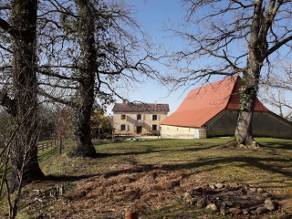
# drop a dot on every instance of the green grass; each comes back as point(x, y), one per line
point(143, 152)
point(275, 159)
point(203, 160)
point(270, 166)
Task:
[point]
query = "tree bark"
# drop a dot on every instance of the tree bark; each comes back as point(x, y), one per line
point(257, 50)
point(24, 149)
point(86, 30)
point(248, 94)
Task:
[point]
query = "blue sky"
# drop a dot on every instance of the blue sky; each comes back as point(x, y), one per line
point(156, 17)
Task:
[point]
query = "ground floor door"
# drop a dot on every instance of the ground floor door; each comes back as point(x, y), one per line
point(139, 130)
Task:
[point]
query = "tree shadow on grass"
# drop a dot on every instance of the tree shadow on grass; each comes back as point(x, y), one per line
point(47, 154)
point(203, 165)
point(273, 165)
point(68, 178)
point(150, 150)
point(280, 144)
point(215, 162)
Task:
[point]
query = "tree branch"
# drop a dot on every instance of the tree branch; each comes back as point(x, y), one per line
point(57, 99)
point(7, 102)
point(7, 27)
point(278, 45)
point(4, 6)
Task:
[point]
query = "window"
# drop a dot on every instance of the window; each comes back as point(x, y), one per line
point(123, 127)
point(154, 117)
point(154, 127)
point(139, 117)
point(123, 117)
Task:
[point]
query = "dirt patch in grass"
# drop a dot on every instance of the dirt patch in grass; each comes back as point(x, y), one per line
point(107, 196)
point(141, 188)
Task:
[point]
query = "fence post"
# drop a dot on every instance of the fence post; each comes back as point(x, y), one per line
point(60, 147)
point(113, 135)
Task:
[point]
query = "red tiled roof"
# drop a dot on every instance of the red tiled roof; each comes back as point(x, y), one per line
point(203, 103)
point(233, 103)
point(140, 107)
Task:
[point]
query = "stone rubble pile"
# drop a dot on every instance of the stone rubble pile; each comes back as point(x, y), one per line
point(232, 199)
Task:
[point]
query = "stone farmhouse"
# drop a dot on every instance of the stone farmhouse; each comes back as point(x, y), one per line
point(212, 110)
point(136, 119)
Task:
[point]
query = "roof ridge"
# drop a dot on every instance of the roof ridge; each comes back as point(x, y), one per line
point(236, 76)
point(229, 96)
point(140, 107)
point(234, 86)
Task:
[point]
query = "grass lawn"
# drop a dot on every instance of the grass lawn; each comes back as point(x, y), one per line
point(102, 187)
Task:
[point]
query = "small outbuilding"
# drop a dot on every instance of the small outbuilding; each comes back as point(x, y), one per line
point(212, 110)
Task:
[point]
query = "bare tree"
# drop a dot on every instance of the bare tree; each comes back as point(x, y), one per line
point(63, 122)
point(237, 37)
point(88, 55)
point(21, 99)
point(276, 92)
point(91, 51)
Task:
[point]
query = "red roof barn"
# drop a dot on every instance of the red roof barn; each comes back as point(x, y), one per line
point(212, 110)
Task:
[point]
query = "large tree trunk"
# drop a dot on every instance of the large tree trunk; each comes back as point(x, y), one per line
point(248, 94)
point(86, 30)
point(24, 149)
point(257, 49)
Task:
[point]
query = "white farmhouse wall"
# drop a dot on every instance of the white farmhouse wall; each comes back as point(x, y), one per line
point(181, 132)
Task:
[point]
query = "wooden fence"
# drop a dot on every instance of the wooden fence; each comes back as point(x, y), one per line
point(51, 144)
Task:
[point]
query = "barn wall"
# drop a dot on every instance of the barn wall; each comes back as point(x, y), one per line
point(265, 124)
point(181, 132)
point(271, 125)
